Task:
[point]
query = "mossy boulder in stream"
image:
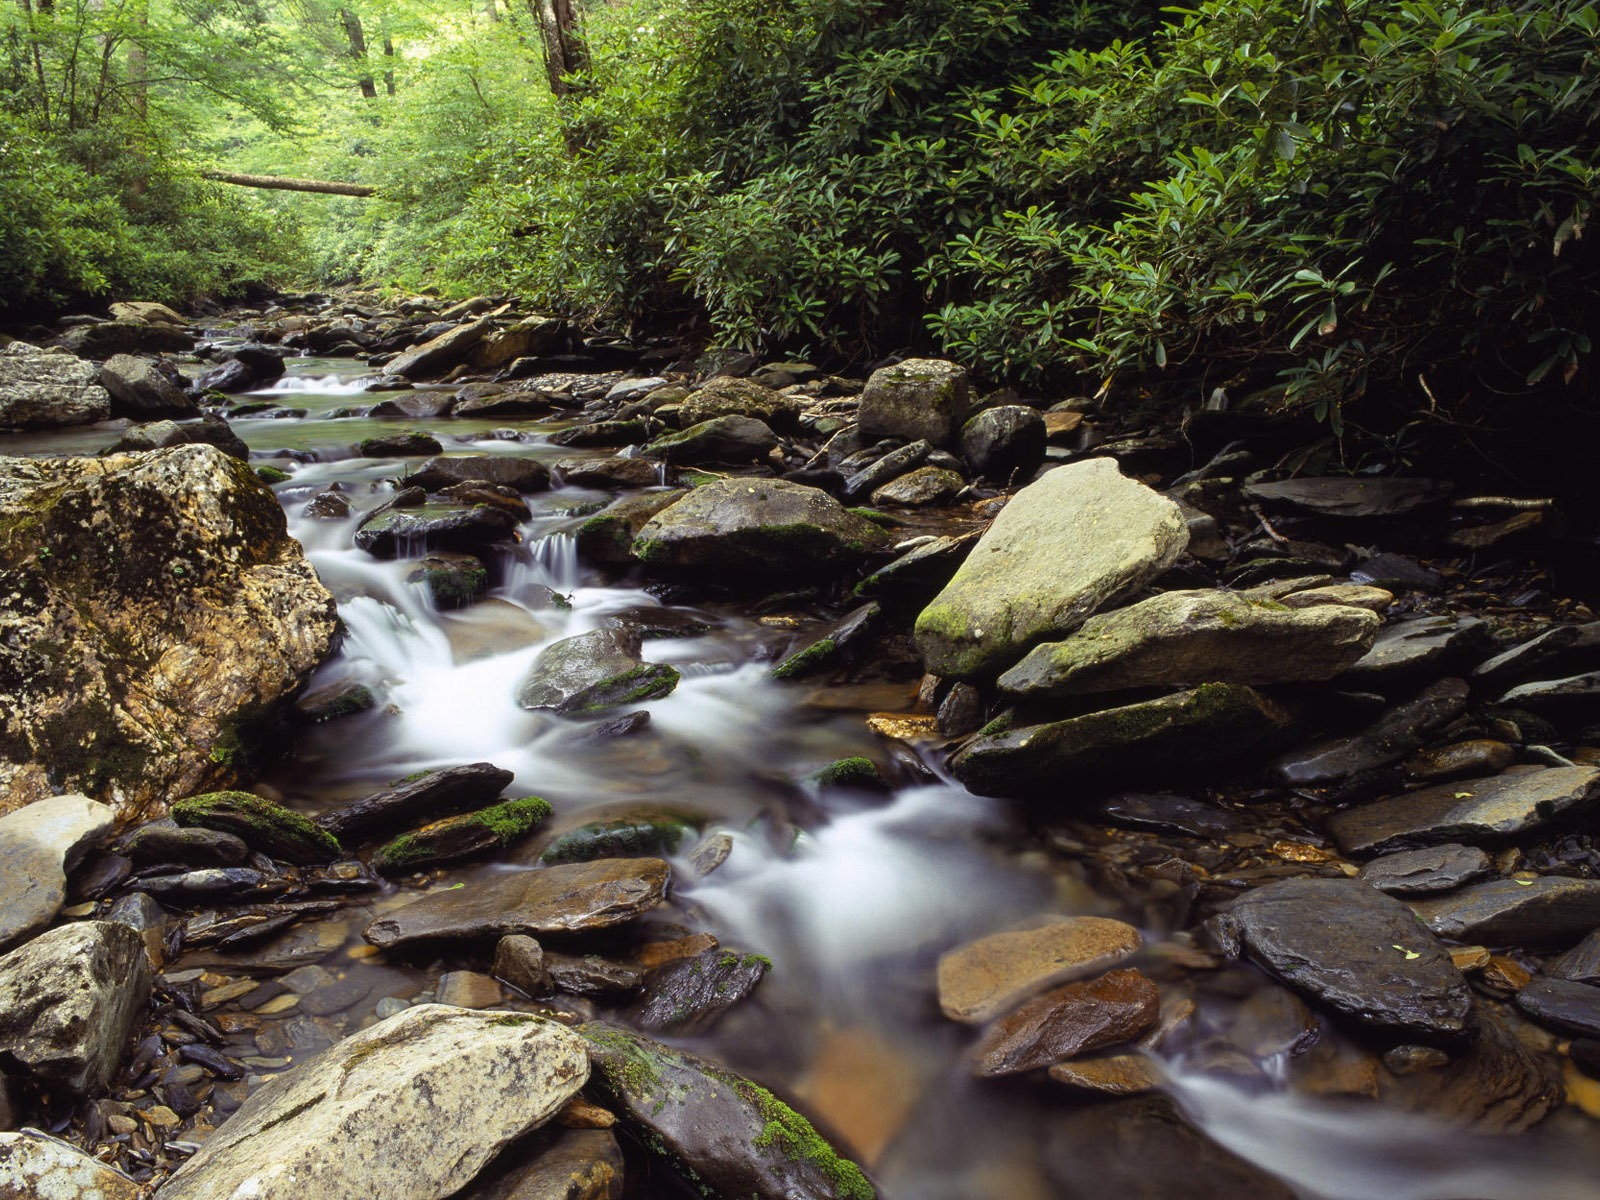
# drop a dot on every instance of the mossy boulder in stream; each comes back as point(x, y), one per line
point(594, 673)
point(155, 605)
point(623, 837)
point(461, 836)
point(728, 1137)
point(276, 831)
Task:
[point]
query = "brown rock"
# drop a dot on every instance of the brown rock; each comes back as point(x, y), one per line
point(468, 989)
point(1068, 1021)
point(1114, 1075)
point(986, 977)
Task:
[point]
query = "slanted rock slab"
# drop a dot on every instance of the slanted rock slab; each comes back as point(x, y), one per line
point(1071, 1020)
point(43, 389)
point(422, 797)
point(1419, 872)
point(409, 1109)
point(593, 673)
point(507, 470)
point(1549, 913)
point(985, 978)
point(36, 1167)
point(38, 845)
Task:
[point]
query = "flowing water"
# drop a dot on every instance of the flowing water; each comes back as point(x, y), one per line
point(852, 897)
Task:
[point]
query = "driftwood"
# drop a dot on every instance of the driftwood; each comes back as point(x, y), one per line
point(326, 186)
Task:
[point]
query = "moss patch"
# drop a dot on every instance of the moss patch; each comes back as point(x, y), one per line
point(271, 828)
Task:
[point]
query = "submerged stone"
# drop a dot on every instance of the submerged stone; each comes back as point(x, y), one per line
point(593, 673)
point(689, 996)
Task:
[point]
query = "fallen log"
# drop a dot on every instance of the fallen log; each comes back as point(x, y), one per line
point(284, 183)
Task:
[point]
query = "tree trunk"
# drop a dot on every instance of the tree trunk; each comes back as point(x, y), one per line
point(564, 51)
point(358, 51)
point(327, 187)
point(388, 73)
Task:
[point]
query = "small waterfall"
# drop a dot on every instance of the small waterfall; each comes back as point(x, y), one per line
point(315, 385)
point(552, 561)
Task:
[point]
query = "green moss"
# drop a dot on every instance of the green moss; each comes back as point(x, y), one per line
point(876, 517)
point(622, 838)
point(858, 771)
point(1001, 724)
point(404, 851)
point(260, 822)
point(789, 1132)
point(809, 659)
point(270, 475)
point(650, 681)
point(512, 818)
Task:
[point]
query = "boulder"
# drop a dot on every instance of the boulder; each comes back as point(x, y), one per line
point(607, 537)
point(425, 796)
point(528, 337)
point(1078, 538)
point(1351, 496)
point(209, 430)
point(264, 826)
point(452, 580)
point(756, 528)
point(39, 844)
point(242, 369)
point(435, 357)
point(36, 1167)
point(42, 389)
point(1352, 948)
point(922, 488)
point(918, 398)
point(729, 439)
point(1068, 1021)
point(1005, 443)
point(99, 342)
point(689, 996)
point(461, 836)
point(1547, 913)
point(410, 1109)
point(887, 468)
point(159, 605)
point(147, 311)
point(410, 443)
point(985, 978)
point(593, 673)
point(140, 390)
point(502, 470)
point(1195, 637)
point(612, 472)
point(726, 396)
point(1419, 872)
point(437, 525)
point(68, 1001)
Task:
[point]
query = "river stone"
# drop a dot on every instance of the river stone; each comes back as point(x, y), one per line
point(158, 605)
point(68, 1001)
point(106, 338)
point(164, 841)
point(1395, 734)
point(1554, 696)
point(42, 389)
point(1111, 1075)
point(519, 960)
point(39, 844)
point(148, 312)
point(1418, 872)
point(1213, 723)
point(613, 472)
point(1358, 595)
point(1070, 1020)
point(726, 396)
point(1005, 443)
point(887, 467)
point(1476, 756)
point(920, 572)
point(1581, 964)
point(603, 433)
point(463, 528)
point(620, 837)
point(1350, 496)
point(1499, 806)
point(918, 398)
point(607, 537)
point(1353, 949)
point(423, 797)
point(407, 443)
point(1548, 913)
point(720, 440)
point(922, 488)
point(1076, 539)
point(209, 430)
point(689, 996)
point(1166, 812)
point(757, 527)
point(724, 1133)
point(987, 977)
point(461, 836)
point(592, 975)
point(1195, 637)
point(36, 1167)
point(274, 830)
point(1419, 646)
point(526, 338)
point(435, 357)
point(1556, 651)
point(1563, 1005)
point(592, 673)
point(452, 580)
point(845, 633)
point(555, 1164)
point(1397, 573)
point(1494, 1083)
point(140, 390)
point(504, 470)
point(572, 898)
point(413, 1108)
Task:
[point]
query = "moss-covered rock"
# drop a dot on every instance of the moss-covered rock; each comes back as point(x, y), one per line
point(274, 830)
point(462, 836)
point(594, 673)
point(727, 439)
point(918, 398)
point(607, 537)
point(727, 395)
point(452, 580)
point(858, 773)
point(624, 837)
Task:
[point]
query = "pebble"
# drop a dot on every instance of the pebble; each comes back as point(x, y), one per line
point(389, 1006)
point(279, 1004)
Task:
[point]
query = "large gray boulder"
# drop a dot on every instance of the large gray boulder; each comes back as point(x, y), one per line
point(757, 526)
point(918, 398)
point(409, 1109)
point(727, 396)
point(38, 844)
point(41, 389)
point(725, 439)
point(1196, 637)
point(158, 603)
point(438, 355)
point(69, 1000)
point(529, 336)
point(36, 1167)
point(101, 341)
point(141, 390)
point(1078, 538)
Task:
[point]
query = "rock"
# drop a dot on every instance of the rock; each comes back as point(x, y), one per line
point(392, 1099)
point(461, 836)
point(1581, 964)
point(1495, 1083)
point(1555, 696)
point(922, 488)
point(1350, 496)
point(519, 960)
point(437, 525)
point(1477, 756)
point(502, 470)
point(710, 854)
point(274, 830)
point(1078, 538)
point(1166, 812)
point(1005, 444)
point(604, 433)
point(609, 473)
point(39, 844)
point(844, 634)
point(214, 885)
point(1111, 1075)
point(987, 977)
point(1396, 573)
point(1500, 806)
point(1070, 1020)
point(593, 673)
point(1548, 913)
point(688, 997)
point(920, 572)
point(1358, 595)
point(101, 341)
point(146, 311)
point(468, 989)
point(452, 580)
point(1563, 1005)
point(760, 527)
point(409, 443)
point(1195, 637)
point(719, 440)
point(422, 797)
point(1412, 648)
point(724, 1133)
point(335, 701)
point(158, 606)
point(140, 389)
point(43, 389)
point(1395, 734)
point(607, 537)
point(69, 1000)
point(888, 467)
point(242, 369)
point(435, 357)
point(36, 1167)
point(592, 975)
point(1555, 652)
point(1353, 949)
point(918, 398)
point(209, 430)
point(1417, 872)
point(164, 841)
point(559, 1164)
point(527, 338)
point(624, 837)
point(1213, 723)
point(563, 899)
point(725, 396)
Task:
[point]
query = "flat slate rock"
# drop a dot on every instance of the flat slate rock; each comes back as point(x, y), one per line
point(1555, 695)
point(1554, 652)
point(1418, 646)
point(689, 996)
point(38, 843)
point(1071, 1020)
point(1348, 496)
point(1419, 872)
point(1353, 949)
point(982, 979)
point(563, 899)
point(1395, 734)
point(505, 470)
point(1581, 964)
point(1470, 810)
point(423, 797)
point(36, 1167)
point(1551, 912)
point(1563, 1005)
point(1165, 812)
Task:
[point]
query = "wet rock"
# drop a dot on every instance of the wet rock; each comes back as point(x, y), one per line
point(1204, 726)
point(1395, 734)
point(1166, 812)
point(720, 440)
point(1078, 538)
point(1418, 872)
point(328, 506)
point(526, 338)
point(609, 472)
point(710, 854)
point(422, 797)
point(1353, 949)
point(607, 537)
point(1563, 1005)
point(720, 1130)
point(887, 467)
point(1574, 693)
point(689, 996)
point(961, 711)
point(918, 398)
point(1500, 806)
point(725, 396)
point(39, 844)
point(623, 837)
point(42, 389)
point(593, 975)
point(1005, 443)
point(1548, 913)
point(165, 841)
point(826, 651)
point(434, 526)
point(919, 572)
point(519, 960)
point(276, 831)
point(763, 526)
point(1417, 647)
point(410, 443)
point(209, 430)
point(1195, 637)
point(922, 488)
point(462, 836)
point(604, 433)
point(1070, 1020)
point(391, 1098)
point(1111, 1075)
point(177, 607)
point(102, 340)
point(453, 580)
point(984, 978)
point(1494, 1082)
point(36, 1167)
point(435, 357)
point(1396, 573)
point(417, 406)
point(1355, 594)
point(1555, 652)
point(561, 899)
point(593, 673)
point(1351, 496)
point(565, 1164)
point(69, 1000)
point(468, 989)
point(658, 622)
point(214, 885)
point(501, 470)
point(243, 368)
point(140, 389)
point(1478, 756)
point(1581, 964)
